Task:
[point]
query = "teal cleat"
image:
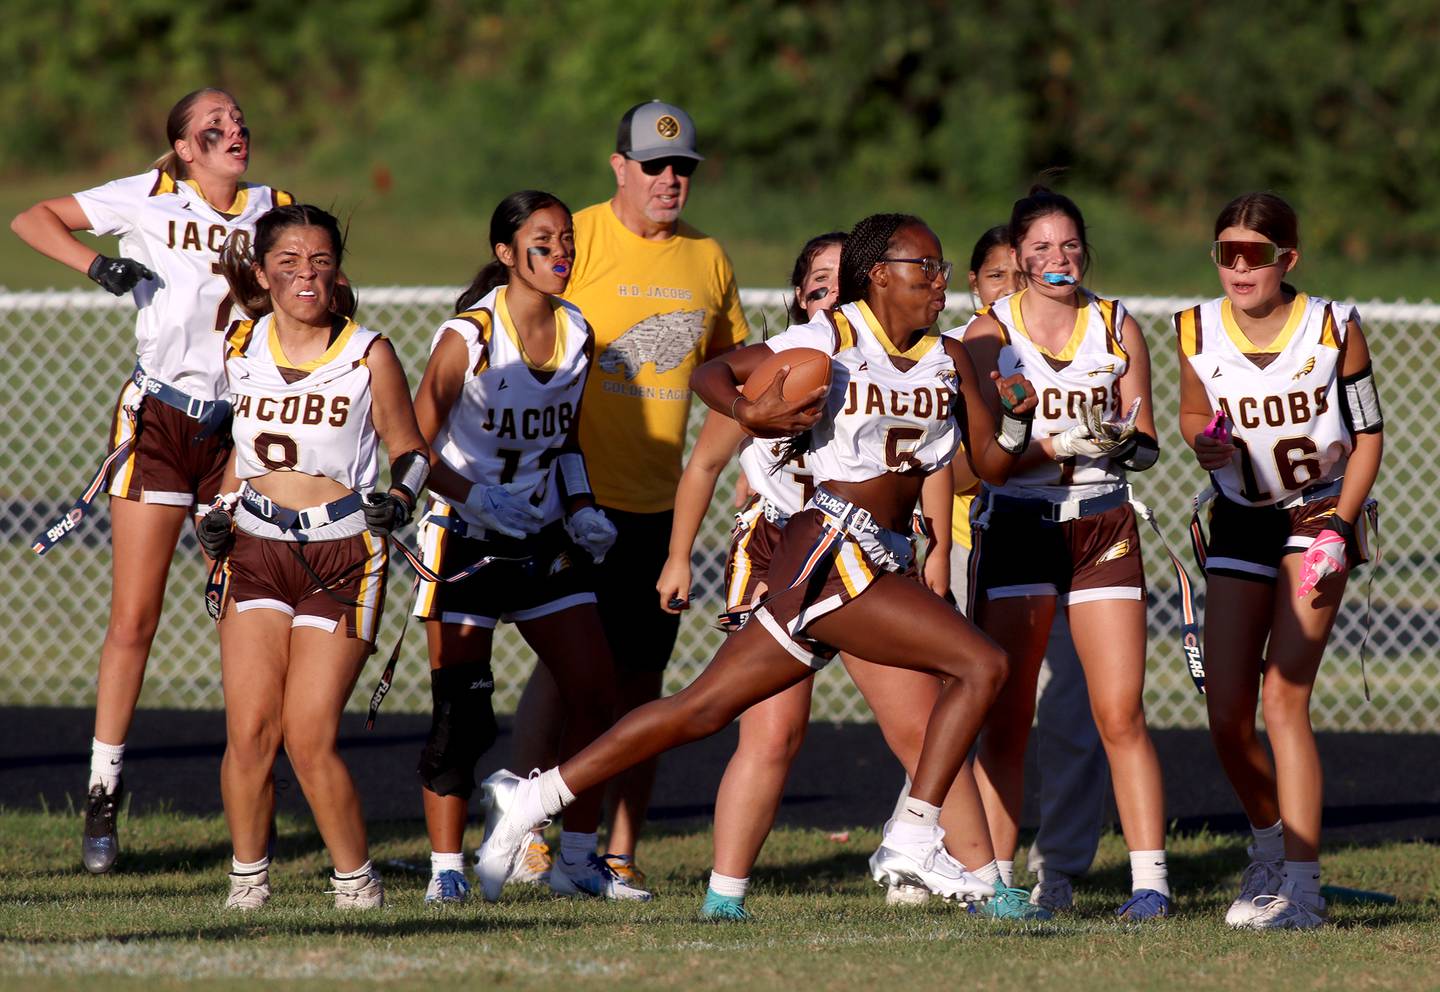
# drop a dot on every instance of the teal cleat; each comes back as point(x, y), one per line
point(1011, 903)
point(724, 909)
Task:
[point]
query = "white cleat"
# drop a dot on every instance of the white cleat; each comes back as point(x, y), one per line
point(929, 865)
point(1260, 878)
point(514, 811)
point(1287, 911)
point(906, 895)
point(248, 892)
point(595, 878)
point(361, 892)
point(1053, 893)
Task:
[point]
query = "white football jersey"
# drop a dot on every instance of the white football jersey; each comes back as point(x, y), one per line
point(319, 424)
point(171, 228)
point(1283, 403)
point(878, 419)
point(788, 485)
point(1084, 374)
point(512, 417)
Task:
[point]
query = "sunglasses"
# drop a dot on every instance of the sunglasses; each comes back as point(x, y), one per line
point(931, 267)
point(683, 167)
point(1257, 254)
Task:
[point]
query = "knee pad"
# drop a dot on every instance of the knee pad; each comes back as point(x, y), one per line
point(462, 728)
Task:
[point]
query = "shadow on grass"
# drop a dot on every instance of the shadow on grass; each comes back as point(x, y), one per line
point(364, 924)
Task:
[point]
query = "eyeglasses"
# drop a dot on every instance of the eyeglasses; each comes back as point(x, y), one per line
point(1257, 254)
point(683, 167)
point(931, 267)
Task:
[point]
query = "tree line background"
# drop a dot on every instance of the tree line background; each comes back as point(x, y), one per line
point(415, 116)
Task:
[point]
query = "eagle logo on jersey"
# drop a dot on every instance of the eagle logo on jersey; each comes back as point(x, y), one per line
point(664, 340)
point(949, 379)
point(1305, 369)
point(560, 563)
point(1102, 370)
point(667, 127)
point(1115, 552)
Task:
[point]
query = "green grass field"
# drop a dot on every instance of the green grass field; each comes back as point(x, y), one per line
point(820, 923)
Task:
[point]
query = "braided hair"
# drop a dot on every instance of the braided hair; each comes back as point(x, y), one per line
point(867, 244)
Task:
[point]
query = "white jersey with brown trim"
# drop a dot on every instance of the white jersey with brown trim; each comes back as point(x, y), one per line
point(514, 416)
point(313, 417)
point(170, 227)
point(1283, 401)
point(1084, 374)
point(878, 418)
point(789, 485)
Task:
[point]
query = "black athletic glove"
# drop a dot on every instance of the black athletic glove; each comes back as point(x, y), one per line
point(216, 532)
point(385, 512)
point(118, 275)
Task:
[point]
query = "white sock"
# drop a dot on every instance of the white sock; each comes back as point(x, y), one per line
point(238, 867)
point(1269, 842)
point(360, 872)
point(555, 795)
point(724, 885)
point(446, 861)
point(902, 833)
point(576, 848)
point(1304, 877)
point(1148, 870)
point(919, 813)
point(106, 760)
point(1007, 872)
point(989, 872)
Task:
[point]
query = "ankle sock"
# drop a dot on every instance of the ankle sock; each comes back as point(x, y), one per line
point(360, 872)
point(446, 861)
point(1148, 870)
point(988, 872)
point(1269, 842)
point(1007, 872)
point(575, 847)
point(238, 867)
point(918, 813)
point(725, 885)
point(106, 760)
point(1304, 877)
point(555, 795)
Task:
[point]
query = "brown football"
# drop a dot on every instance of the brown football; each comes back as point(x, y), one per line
point(809, 369)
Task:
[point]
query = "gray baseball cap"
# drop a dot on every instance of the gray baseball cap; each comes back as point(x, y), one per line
point(656, 130)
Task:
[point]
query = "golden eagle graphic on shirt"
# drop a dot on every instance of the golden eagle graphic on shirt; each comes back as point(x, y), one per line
point(664, 340)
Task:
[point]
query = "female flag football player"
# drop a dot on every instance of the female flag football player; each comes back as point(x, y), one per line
point(302, 534)
point(1061, 532)
point(1278, 400)
point(886, 423)
point(169, 437)
point(500, 404)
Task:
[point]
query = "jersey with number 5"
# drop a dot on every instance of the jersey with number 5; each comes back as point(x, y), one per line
point(514, 414)
point(878, 418)
point(1283, 402)
point(313, 417)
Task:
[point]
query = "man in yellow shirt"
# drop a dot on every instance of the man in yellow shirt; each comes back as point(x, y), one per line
point(661, 297)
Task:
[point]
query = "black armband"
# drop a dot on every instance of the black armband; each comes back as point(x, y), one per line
point(1345, 529)
point(1144, 453)
point(408, 474)
point(1360, 401)
point(1014, 432)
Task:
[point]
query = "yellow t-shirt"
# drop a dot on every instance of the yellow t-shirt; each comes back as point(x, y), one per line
point(659, 309)
point(960, 517)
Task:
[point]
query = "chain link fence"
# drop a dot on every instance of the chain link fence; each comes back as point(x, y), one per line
point(66, 355)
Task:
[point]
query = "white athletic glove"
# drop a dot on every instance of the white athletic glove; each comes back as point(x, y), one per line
point(591, 530)
point(1325, 557)
point(505, 509)
point(1097, 437)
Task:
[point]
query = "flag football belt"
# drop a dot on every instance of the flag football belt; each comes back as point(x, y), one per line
point(1191, 650)
point(773, 513)
point(71, 518)
point(210, 414)
point(1060, 512)
point(309, 518)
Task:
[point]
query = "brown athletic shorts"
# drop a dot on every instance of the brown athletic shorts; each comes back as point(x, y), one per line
point(268, 575)
point(547, 574)
point(1017, 553)
point(1247, 542)
point(839, 570)
point(165, 463)
point(752, 544)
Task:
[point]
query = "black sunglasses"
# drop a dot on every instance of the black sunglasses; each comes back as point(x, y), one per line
point(683, 167)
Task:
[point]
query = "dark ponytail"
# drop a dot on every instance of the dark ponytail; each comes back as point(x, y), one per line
point(867, 245)
point(801, 270)
point(1264, 213)
point(239, 258)
point(509, 216)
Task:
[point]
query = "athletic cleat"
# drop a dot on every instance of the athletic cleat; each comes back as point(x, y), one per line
point(1287, 911)
point(929, 865)
point(1260, 878)
point(514, 811)
point(447, 887)
point(250, 891)
point(1053, 893)
point(361, 892)
point(595, 878)
point(534, 866)
point(906, 895)
point(1011, 903)
point(101, 845)
point(724, 909)
point(1144, 904)
point(624, 866)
